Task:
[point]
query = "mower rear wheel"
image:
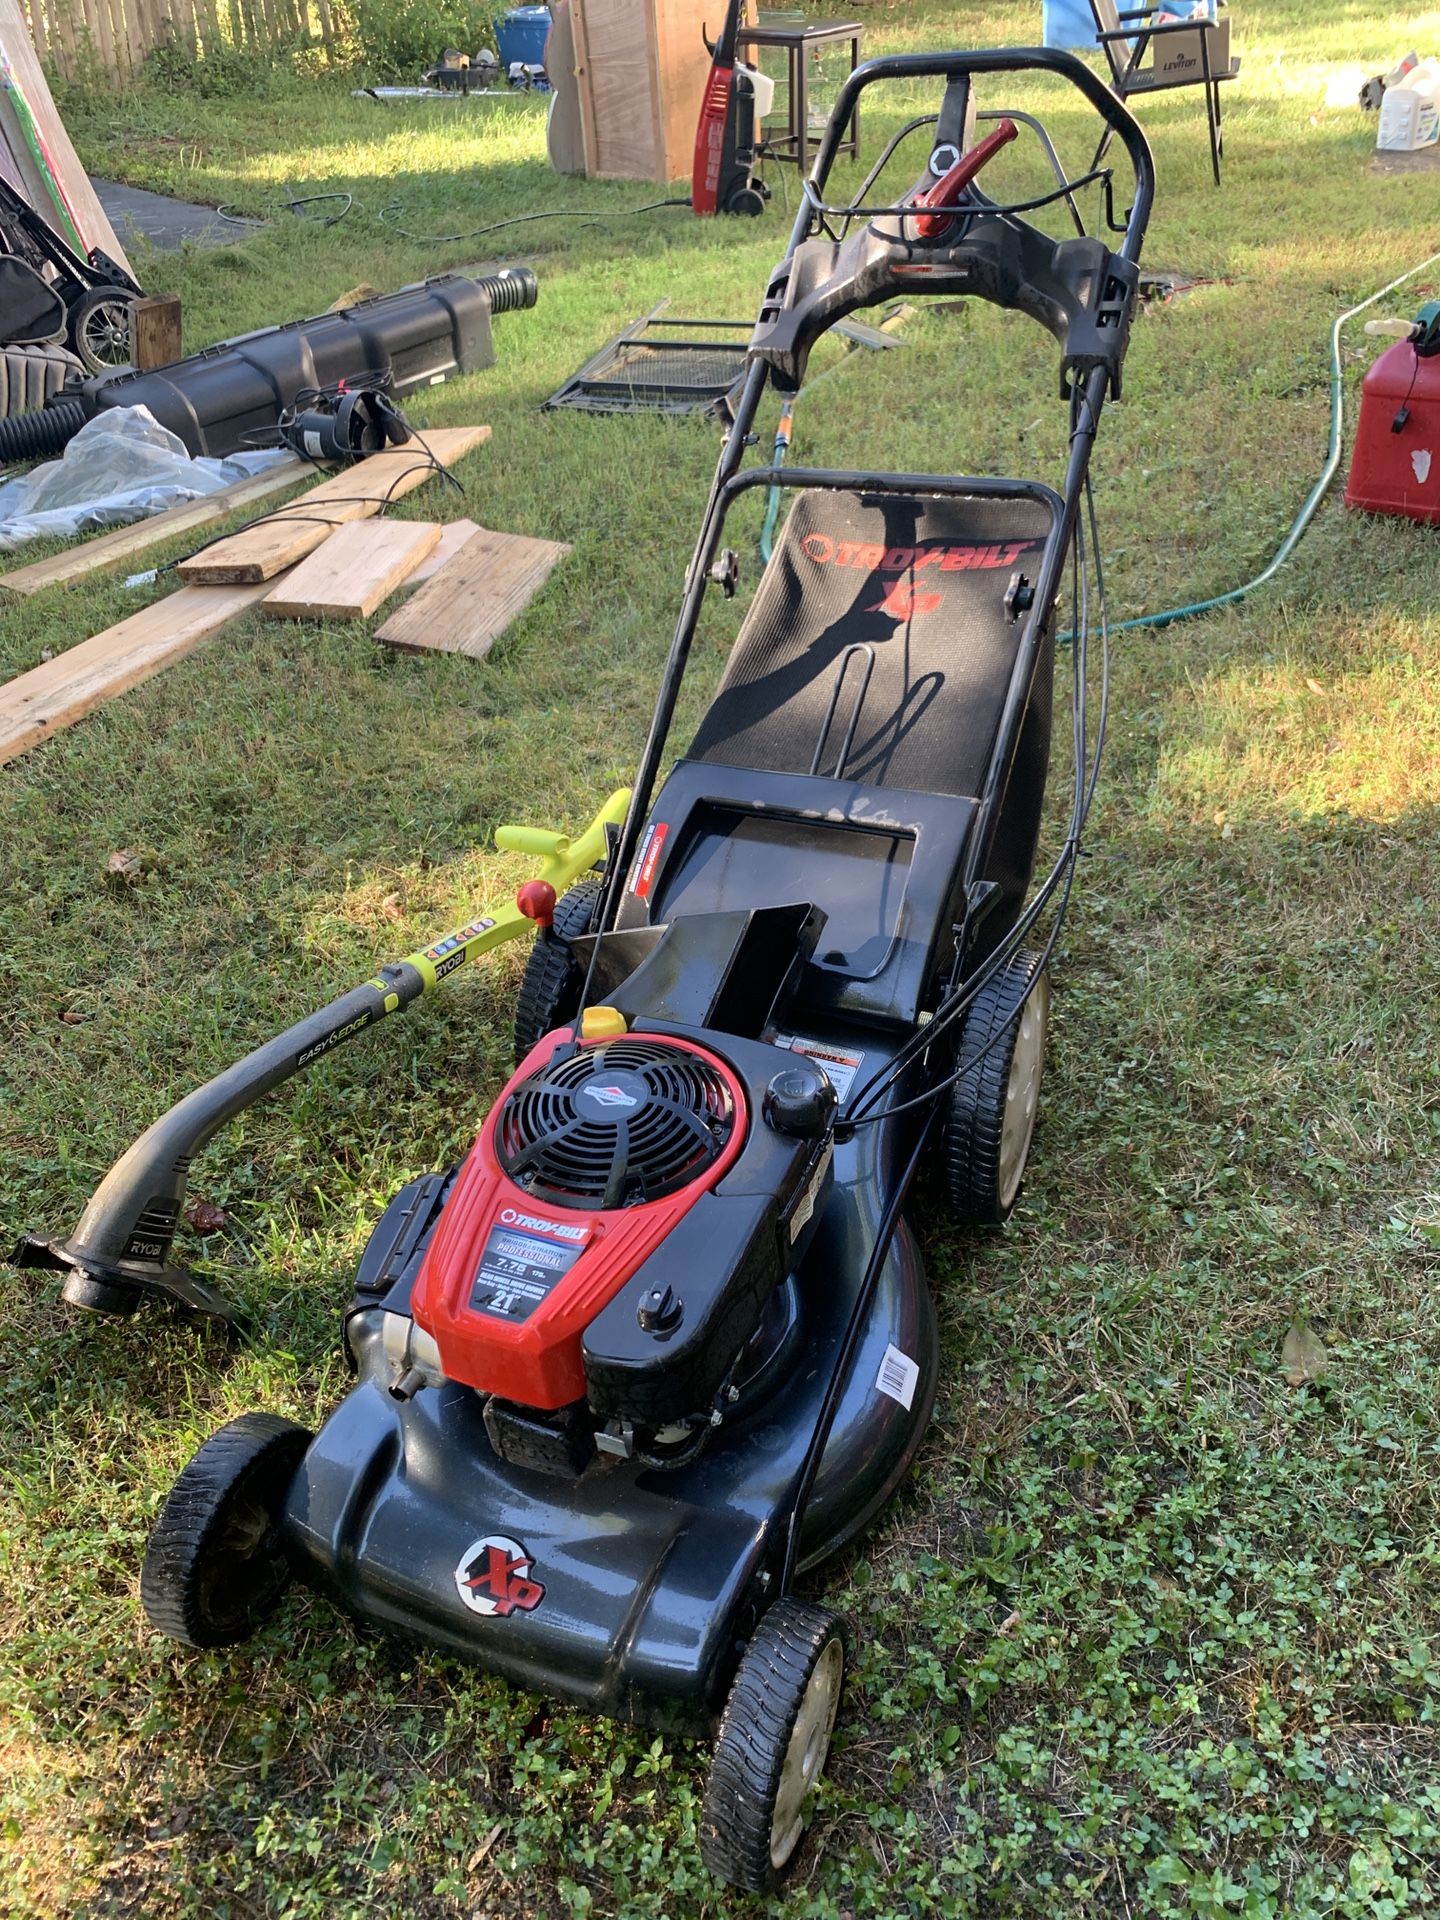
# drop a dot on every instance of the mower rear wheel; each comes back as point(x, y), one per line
point(100, 327)
point(772, 1745)
point(550, 989)
point(215, 1565)
point(991, 1113)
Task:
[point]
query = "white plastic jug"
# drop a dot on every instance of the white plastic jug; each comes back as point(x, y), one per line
point(1410, 113)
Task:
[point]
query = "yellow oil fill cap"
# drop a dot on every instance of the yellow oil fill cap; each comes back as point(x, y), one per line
point(603, 1023)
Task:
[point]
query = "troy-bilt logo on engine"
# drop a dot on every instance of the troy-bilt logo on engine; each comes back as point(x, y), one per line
point(493, 1577)
point(512, 1217)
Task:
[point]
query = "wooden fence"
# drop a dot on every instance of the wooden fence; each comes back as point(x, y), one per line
point(73, 35)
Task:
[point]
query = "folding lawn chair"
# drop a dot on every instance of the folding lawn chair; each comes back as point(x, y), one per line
point(1202, 59)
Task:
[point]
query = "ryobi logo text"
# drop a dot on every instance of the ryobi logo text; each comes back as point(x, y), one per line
point(826, 552)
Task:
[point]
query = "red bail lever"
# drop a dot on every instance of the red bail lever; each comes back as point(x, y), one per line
point(947, 190)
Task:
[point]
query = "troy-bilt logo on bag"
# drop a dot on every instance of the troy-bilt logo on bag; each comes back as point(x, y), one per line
point(939, 555)
point(493, 1577)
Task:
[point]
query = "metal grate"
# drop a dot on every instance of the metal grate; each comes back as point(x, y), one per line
point(660, 365)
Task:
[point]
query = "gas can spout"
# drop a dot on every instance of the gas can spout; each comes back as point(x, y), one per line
point(1423, 331)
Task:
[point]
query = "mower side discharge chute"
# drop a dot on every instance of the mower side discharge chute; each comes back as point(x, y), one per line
point(120, 1250)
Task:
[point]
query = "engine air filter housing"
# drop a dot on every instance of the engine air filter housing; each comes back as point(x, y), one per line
point(614, 1126)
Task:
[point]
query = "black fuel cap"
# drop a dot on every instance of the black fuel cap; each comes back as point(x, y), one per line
point(660, 1311)
point(800, 1100)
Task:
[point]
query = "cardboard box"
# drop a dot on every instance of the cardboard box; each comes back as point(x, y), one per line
point(1176, 57)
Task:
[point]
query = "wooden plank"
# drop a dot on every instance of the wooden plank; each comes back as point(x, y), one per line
point(357, 568)
point(107, 549)
point(155, 331)
point(682, 69)
point(137, 42)
point(97, 19)
point(452, 539)
point(61, 691)
point(62, 28)
point(467, 605)
point(39, 31)
point(207, 22)
point(355, 493)
point(20, 50)
point(564, 136)
point(619, 89)
point(584, 96)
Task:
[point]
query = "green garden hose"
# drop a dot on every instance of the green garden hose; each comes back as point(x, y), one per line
point(1317, 493)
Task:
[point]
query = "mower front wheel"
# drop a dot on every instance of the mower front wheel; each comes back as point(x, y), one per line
point(550, 989)
point(991, 1112)
point(215, 1565)
point(773, 1741)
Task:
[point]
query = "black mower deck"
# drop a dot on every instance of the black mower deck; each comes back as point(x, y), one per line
point(879, 645)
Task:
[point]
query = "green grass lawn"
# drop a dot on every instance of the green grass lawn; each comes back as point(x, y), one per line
point(1152, 1630)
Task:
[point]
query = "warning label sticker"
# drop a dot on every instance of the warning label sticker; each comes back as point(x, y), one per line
point(648, 859)
point(839, 1066)
point(519, 1269)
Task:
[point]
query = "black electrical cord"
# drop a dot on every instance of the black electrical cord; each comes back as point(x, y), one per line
point(961, 209)
point(387, 499)
point(386, 218)
point(292, 205)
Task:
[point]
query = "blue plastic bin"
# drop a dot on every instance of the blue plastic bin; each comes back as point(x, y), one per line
point(1070, 23)
point(520, 35)
point(1067, 23)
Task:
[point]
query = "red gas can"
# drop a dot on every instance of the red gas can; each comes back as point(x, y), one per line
point(1396, 465)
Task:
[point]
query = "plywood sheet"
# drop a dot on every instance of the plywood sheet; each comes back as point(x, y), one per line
point(95, 229)
point(108, 549)
point(468, 604)
point(358, 567)
point(452, 539)
point(61, 691)
point(355, 493)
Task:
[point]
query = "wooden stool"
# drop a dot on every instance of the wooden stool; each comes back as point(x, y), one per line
point(798, 41)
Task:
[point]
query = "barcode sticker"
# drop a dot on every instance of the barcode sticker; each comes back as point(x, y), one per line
point(898, 1376)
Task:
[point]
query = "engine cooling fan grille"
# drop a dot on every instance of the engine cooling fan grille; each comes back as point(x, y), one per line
point(615, 1125)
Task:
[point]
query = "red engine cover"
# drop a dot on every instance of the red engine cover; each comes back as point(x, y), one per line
point(509, 1283)
point(1398, 471)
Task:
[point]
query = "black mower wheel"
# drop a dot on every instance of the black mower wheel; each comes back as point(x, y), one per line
point(990, 1115)
point(215, 1565)
point(773, 1741)
point(550, 989)
point(100, 328)
point(749, 201)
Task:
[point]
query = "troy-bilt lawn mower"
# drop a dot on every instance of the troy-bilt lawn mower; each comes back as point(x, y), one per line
point(662, 1343)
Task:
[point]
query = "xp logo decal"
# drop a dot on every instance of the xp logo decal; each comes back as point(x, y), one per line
point(493, 1577)
point(902, 602)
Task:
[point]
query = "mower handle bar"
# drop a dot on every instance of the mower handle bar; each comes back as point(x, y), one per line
point(951, 66)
